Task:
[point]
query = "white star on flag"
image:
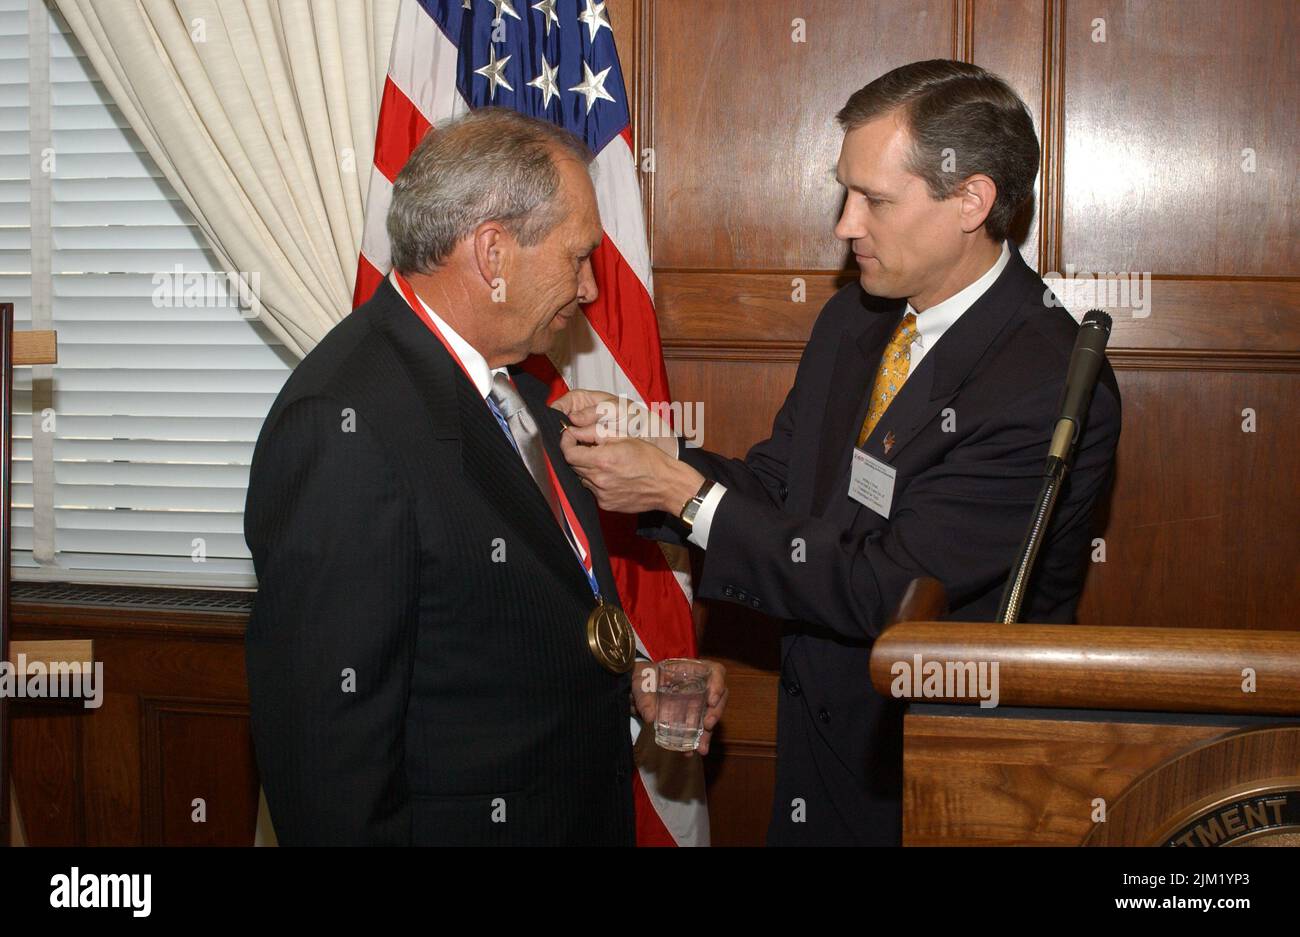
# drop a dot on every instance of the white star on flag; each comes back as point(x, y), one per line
point(494, 72)
point(547, 9)
point(545, 82)
point(593, 86)
point(509, 10)
point(594, 17)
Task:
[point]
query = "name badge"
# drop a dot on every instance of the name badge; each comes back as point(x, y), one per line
point(871, 483)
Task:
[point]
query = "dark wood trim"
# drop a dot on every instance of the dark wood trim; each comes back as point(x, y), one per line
point(1202, 359)
point(1121, 359)
point(6, 464)
point(643, 116)
point(753, 748)
point(733, 351)
point(1052, 134)
point(850, 274)
point(963, 30)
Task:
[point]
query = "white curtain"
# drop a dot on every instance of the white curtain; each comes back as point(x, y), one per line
point(262, 116)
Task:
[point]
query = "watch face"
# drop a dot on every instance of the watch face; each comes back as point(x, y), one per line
point(693, 506)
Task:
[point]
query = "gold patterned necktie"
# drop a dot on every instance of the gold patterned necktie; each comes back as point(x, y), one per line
point(894, 365)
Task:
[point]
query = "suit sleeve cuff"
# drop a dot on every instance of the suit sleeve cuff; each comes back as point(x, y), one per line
point(699, 534)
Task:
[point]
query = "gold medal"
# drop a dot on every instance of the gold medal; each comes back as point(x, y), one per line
point(609, 635)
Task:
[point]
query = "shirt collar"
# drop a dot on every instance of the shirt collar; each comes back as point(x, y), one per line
point(931, 324)
point(476, 365)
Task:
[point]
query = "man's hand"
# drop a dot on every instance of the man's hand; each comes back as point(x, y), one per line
point(617, 417)
point(582, 400)
point(643, 695)
point(628, 475)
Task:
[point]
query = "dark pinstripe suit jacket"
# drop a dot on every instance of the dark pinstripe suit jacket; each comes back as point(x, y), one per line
point(417, 661)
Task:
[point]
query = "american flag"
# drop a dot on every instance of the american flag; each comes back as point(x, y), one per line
point(556, 60)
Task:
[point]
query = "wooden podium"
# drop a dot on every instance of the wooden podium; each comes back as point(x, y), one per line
point(1099, 735)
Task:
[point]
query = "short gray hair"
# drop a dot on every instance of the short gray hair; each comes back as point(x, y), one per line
point(491, 164)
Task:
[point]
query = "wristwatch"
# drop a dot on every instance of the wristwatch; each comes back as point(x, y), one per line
point(692, 507)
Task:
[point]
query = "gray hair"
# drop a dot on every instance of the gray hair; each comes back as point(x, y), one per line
point(491, 164)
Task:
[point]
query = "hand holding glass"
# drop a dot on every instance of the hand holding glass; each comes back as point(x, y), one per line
point(681, 690)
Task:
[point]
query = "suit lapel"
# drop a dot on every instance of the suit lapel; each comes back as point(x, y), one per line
point(856, 362)
point(911, 409)
point(923, 395)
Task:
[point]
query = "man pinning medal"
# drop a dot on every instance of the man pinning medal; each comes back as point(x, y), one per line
point(910, 445)
point(437, 654)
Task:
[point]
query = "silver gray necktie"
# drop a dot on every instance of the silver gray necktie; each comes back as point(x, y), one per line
point(524, 430)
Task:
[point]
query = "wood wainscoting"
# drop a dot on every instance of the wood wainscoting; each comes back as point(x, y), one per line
point(167, 756)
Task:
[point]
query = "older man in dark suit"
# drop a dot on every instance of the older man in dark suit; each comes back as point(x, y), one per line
point(421, 661)
point(912, 443)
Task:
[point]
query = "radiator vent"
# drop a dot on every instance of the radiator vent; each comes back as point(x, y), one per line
point(190, 600)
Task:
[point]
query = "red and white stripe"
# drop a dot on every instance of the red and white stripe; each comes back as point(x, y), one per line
point(614, 347)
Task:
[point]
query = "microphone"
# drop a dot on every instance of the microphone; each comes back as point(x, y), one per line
point(1085, 363)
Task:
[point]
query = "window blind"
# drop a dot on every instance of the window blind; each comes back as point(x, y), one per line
point(162, 381)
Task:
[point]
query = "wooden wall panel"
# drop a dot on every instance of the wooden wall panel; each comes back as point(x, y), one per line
point(740, 398)
point(1157, 117)
point(198, 750)
point(744, 131)
point(1202, 525)
point(1007, 37)
point(45, 742)
point(173, 725)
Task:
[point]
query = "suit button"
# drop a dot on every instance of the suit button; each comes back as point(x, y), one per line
point(784, 492)
point(823, 715)
point(792, 687)
point(754, 602)
point(728, 591)
point(740, 596)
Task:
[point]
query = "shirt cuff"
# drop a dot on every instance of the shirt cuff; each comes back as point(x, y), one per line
point(699, 534)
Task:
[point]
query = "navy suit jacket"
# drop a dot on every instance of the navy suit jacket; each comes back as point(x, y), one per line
point(970, 428)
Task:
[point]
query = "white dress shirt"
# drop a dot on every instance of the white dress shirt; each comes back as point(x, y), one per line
point(475, 364)
point(930, 326)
